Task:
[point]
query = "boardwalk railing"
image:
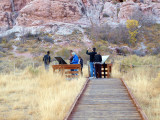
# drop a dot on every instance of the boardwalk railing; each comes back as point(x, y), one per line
point(106, 70)
point(70, 71)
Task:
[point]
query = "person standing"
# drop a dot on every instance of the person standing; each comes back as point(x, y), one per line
point(47, 60)
point(75, 60)
point(98, 60)
point(92, 55)
point(81, 63)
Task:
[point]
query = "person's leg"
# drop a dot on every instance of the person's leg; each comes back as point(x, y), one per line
point(94, 70)
point(82, 70)
point(46, 67)
point(75, 70)
point(91, 69)
point(99, 70)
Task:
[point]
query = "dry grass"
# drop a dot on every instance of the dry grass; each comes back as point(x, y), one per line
point(36, 95)
point(145, 85)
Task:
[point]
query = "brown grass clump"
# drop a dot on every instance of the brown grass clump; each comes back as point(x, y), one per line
point(37, 95)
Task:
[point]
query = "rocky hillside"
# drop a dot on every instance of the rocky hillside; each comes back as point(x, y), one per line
point(55, 16)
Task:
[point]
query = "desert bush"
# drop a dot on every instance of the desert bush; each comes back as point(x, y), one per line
point(20, 49)
point(83, 55)
point(143, 19)
point(139, 52)
point(156, 51)
point(64, 52)
point(102, 46)
point(29, 35)
point(117, 35)
point(48, 39)
point(151, 34)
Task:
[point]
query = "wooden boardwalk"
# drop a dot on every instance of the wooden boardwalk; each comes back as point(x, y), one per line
point(105, 99)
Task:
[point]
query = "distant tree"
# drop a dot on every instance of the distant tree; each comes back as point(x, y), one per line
point(132, 26)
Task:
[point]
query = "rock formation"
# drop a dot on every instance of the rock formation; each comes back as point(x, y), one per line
point(31, 13)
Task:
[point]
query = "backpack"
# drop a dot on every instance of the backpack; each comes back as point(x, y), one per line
point(46, 59)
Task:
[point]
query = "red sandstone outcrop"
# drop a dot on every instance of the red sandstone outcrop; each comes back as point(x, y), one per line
point(39, 12)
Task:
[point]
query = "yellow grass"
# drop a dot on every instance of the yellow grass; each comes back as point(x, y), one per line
point(145, 85)
point(37, 95)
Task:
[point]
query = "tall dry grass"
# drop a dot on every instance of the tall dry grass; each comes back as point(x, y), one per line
point(37, 95)
point(144, 83)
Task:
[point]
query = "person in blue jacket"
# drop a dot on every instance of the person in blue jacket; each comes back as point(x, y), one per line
point(75, 60)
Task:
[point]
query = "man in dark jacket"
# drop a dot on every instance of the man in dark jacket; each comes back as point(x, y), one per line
point(92, 68)
point(98, 60)
point(47, 60)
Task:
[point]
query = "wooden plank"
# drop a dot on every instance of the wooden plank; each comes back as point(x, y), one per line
point(111, 117)
point(104, 114)
point(107, 118)
point(108, 108)
point(72, 76)
point(71, 72)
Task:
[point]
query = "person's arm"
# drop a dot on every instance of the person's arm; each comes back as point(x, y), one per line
point(88, 53)
point(73, 60)
point(43, 58)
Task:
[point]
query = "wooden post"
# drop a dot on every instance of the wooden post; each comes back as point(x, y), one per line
point(104, 66)
point(80, 71)
point(108, 71)
point(63, 70)
point(110, 67)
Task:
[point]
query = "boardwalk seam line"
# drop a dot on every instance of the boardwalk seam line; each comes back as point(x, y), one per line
point(76, 99)
point(139, 109)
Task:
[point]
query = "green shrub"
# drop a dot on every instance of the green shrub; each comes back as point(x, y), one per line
point(64, 52)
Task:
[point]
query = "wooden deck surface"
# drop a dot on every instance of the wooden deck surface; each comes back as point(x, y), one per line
point(105, 99)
